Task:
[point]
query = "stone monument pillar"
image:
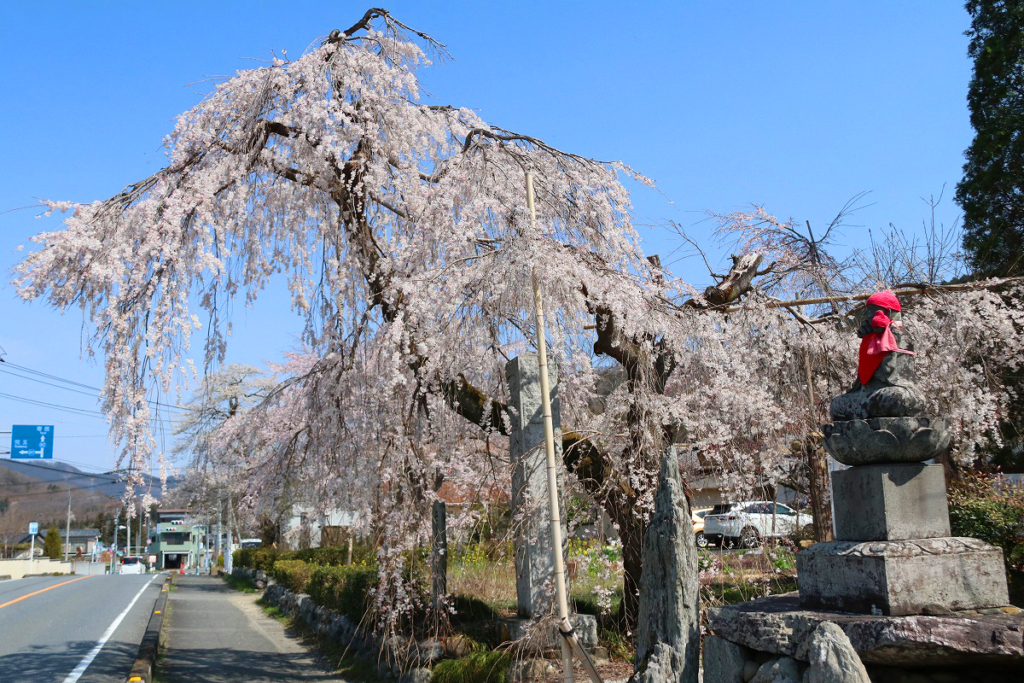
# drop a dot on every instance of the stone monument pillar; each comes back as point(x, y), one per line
point(893, 553)
point(531, 515)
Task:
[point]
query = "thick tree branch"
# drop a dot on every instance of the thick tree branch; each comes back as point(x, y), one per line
point(735, 284)
point(916, 290)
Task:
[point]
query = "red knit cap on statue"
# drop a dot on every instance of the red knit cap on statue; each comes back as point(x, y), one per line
point(884, 299)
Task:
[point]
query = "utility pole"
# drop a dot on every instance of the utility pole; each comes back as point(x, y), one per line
point(113, 548)
point(220, 505)
point(128, 530)
point(67, 530)
point(139, 542)
point(228, 559)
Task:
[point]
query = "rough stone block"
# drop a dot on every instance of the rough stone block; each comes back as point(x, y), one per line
point(832, 657)
point(902, 577)
point(778, 670)
point(723, 660)
point(532, 519)
point(779, 625)
point(892, 502)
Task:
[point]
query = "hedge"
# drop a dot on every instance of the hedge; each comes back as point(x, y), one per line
point(292, 574)
point(992, 521)
point(265, 558)
point(255, 558)
point(344, 588)
point(988, 507)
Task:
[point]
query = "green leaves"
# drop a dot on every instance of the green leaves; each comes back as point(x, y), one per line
point(992, 189)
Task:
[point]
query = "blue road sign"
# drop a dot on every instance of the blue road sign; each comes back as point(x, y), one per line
point(31, 441)
point(33, 528)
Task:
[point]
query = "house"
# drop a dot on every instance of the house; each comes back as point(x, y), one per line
point(306, 528)
point(176, 540)
point(85, 539)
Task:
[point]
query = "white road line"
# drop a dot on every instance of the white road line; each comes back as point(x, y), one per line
point(87, 660)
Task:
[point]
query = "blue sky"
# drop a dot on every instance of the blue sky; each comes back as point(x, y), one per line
point(797, 106)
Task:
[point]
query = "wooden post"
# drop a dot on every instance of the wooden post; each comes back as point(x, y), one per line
point(439, 553)
point(817, 468)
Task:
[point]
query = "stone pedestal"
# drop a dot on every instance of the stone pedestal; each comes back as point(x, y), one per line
point(898, 578)
point(893, 554)
point(892, 502)
point(531, 513)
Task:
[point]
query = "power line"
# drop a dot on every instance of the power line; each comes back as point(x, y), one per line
point(47, 375)
point(81, 412)
point(40, 373)
point(49, 384)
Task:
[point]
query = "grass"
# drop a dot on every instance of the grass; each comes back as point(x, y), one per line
point(476, 667)
point(481, 581)
point(274, 612)
point(239, 584)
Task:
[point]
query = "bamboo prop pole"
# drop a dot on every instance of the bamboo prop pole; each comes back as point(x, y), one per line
point(569, 642)
point(549, 447)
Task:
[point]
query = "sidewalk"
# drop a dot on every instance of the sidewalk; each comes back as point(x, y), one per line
point(216, 634)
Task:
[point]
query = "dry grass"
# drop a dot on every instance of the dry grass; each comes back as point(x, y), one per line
point(490, 581)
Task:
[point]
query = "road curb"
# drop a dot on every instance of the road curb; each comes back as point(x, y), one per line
point(142, 670)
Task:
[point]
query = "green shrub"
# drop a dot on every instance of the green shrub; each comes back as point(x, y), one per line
point(256, 558)
point(988, 507)
point(362, 554)
point(344, 588)
point(52, 546)
point(264, 558)
point(327, 556)
point(992, 521)
point(292, 574)
point(476, 667)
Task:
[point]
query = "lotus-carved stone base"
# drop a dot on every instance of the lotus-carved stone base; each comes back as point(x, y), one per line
point(886, 440)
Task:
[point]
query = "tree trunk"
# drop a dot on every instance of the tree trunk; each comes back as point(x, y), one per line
point(817, 476)
point(632, 568)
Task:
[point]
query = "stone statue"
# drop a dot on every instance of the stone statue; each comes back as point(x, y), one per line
point(881, 418)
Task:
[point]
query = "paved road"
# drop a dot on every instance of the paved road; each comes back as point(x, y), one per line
point(219, 635)
point(51, 625)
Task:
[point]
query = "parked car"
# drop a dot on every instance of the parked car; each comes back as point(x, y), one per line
point(749, 522)
point(132, 565)
point(697, 515)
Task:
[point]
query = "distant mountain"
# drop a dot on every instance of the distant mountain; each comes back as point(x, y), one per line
point(61, 473)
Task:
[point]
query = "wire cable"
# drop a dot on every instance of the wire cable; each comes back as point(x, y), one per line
point(7, 366)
